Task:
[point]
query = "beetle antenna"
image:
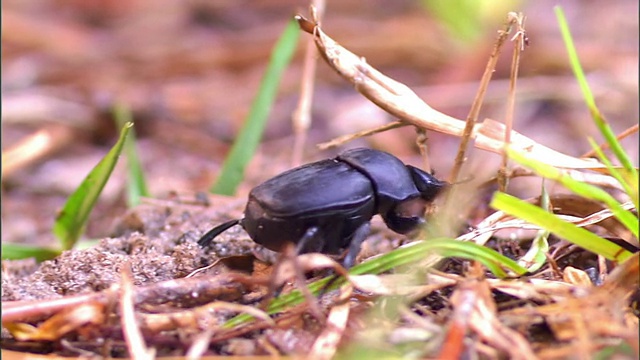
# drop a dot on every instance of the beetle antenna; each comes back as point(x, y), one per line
point(211, 234)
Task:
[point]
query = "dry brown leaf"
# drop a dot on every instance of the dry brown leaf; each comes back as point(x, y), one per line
point(587, 317)
point(326, 344)
point(575, 276)
point(60, 324)
point(190, 318)
point(475, 309)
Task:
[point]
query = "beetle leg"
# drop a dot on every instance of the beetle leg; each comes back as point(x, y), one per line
point(356, 242)
point(206, 238)
point(359, 236)
point(306, 243)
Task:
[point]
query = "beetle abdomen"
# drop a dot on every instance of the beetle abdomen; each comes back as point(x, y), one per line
point(335, 229)
point(313, 189)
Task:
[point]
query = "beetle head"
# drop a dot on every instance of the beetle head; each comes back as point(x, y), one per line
point(427, 184)
point(406, 216)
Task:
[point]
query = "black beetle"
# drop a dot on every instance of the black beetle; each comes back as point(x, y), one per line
point(326, 206)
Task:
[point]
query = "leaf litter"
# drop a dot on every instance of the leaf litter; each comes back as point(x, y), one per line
point(551, 314)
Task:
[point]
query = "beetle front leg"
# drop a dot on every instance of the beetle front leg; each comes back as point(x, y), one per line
point(310, 241)
point(359, 236)
point(305, 245)
point(356, 243)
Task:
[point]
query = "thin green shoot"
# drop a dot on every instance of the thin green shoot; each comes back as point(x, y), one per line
point(249, 137)
point(626, 182)
point(566, 230)
point(597, 116)
point(136, 184)
point(585, 190)
point(536, 256)
point(13, 251)
point(71, 220)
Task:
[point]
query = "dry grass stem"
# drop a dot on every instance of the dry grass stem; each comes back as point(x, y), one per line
point(35, 147)
point(631, 130)
point(400, 101)
point(291, 314)
point(226, 286)
point(563, 205)
point(133, 336)
point(200, 345)
point(62, 323)
point(302, 114)
point(520, 37)
point(350, 137)
point(294, 266)
point(472, 118)
point(326, 344)
point(190, 319)
point(421, 142)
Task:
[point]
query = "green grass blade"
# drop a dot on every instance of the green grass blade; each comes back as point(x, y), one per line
point(443, 247)
point(247, 141)
point(599, 120)
point(11, 251)
point(136, 184)
point(579, 236)
point(585, 190)
point(493, 260)
point(630, 187)
point(536, 256)
point(71, 220)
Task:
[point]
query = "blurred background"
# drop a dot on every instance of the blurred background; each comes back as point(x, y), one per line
point(189, 70)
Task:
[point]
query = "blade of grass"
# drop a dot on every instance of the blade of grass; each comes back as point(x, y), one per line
point(443, 247)
point(627, 183)
point(493, 260)
point(12, 251)
point(71, 220)
point(598, 118)
point(588, 191)
point(576, 235)
point(136, 184)
point(247, 141)
point(536, 255)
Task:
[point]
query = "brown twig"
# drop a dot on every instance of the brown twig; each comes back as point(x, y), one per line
point(421, 141)
point(400, 101)
point(521, 40)
point(349, 137)
point(35, 147)
point(189, 319)
point(302, 115)
point(226, 286)
point(631, 130)
point(132, 335)
point(472, 118)
point(326, 344)
point(238, 331)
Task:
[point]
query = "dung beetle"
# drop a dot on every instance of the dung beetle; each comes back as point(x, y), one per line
point(326, 206)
